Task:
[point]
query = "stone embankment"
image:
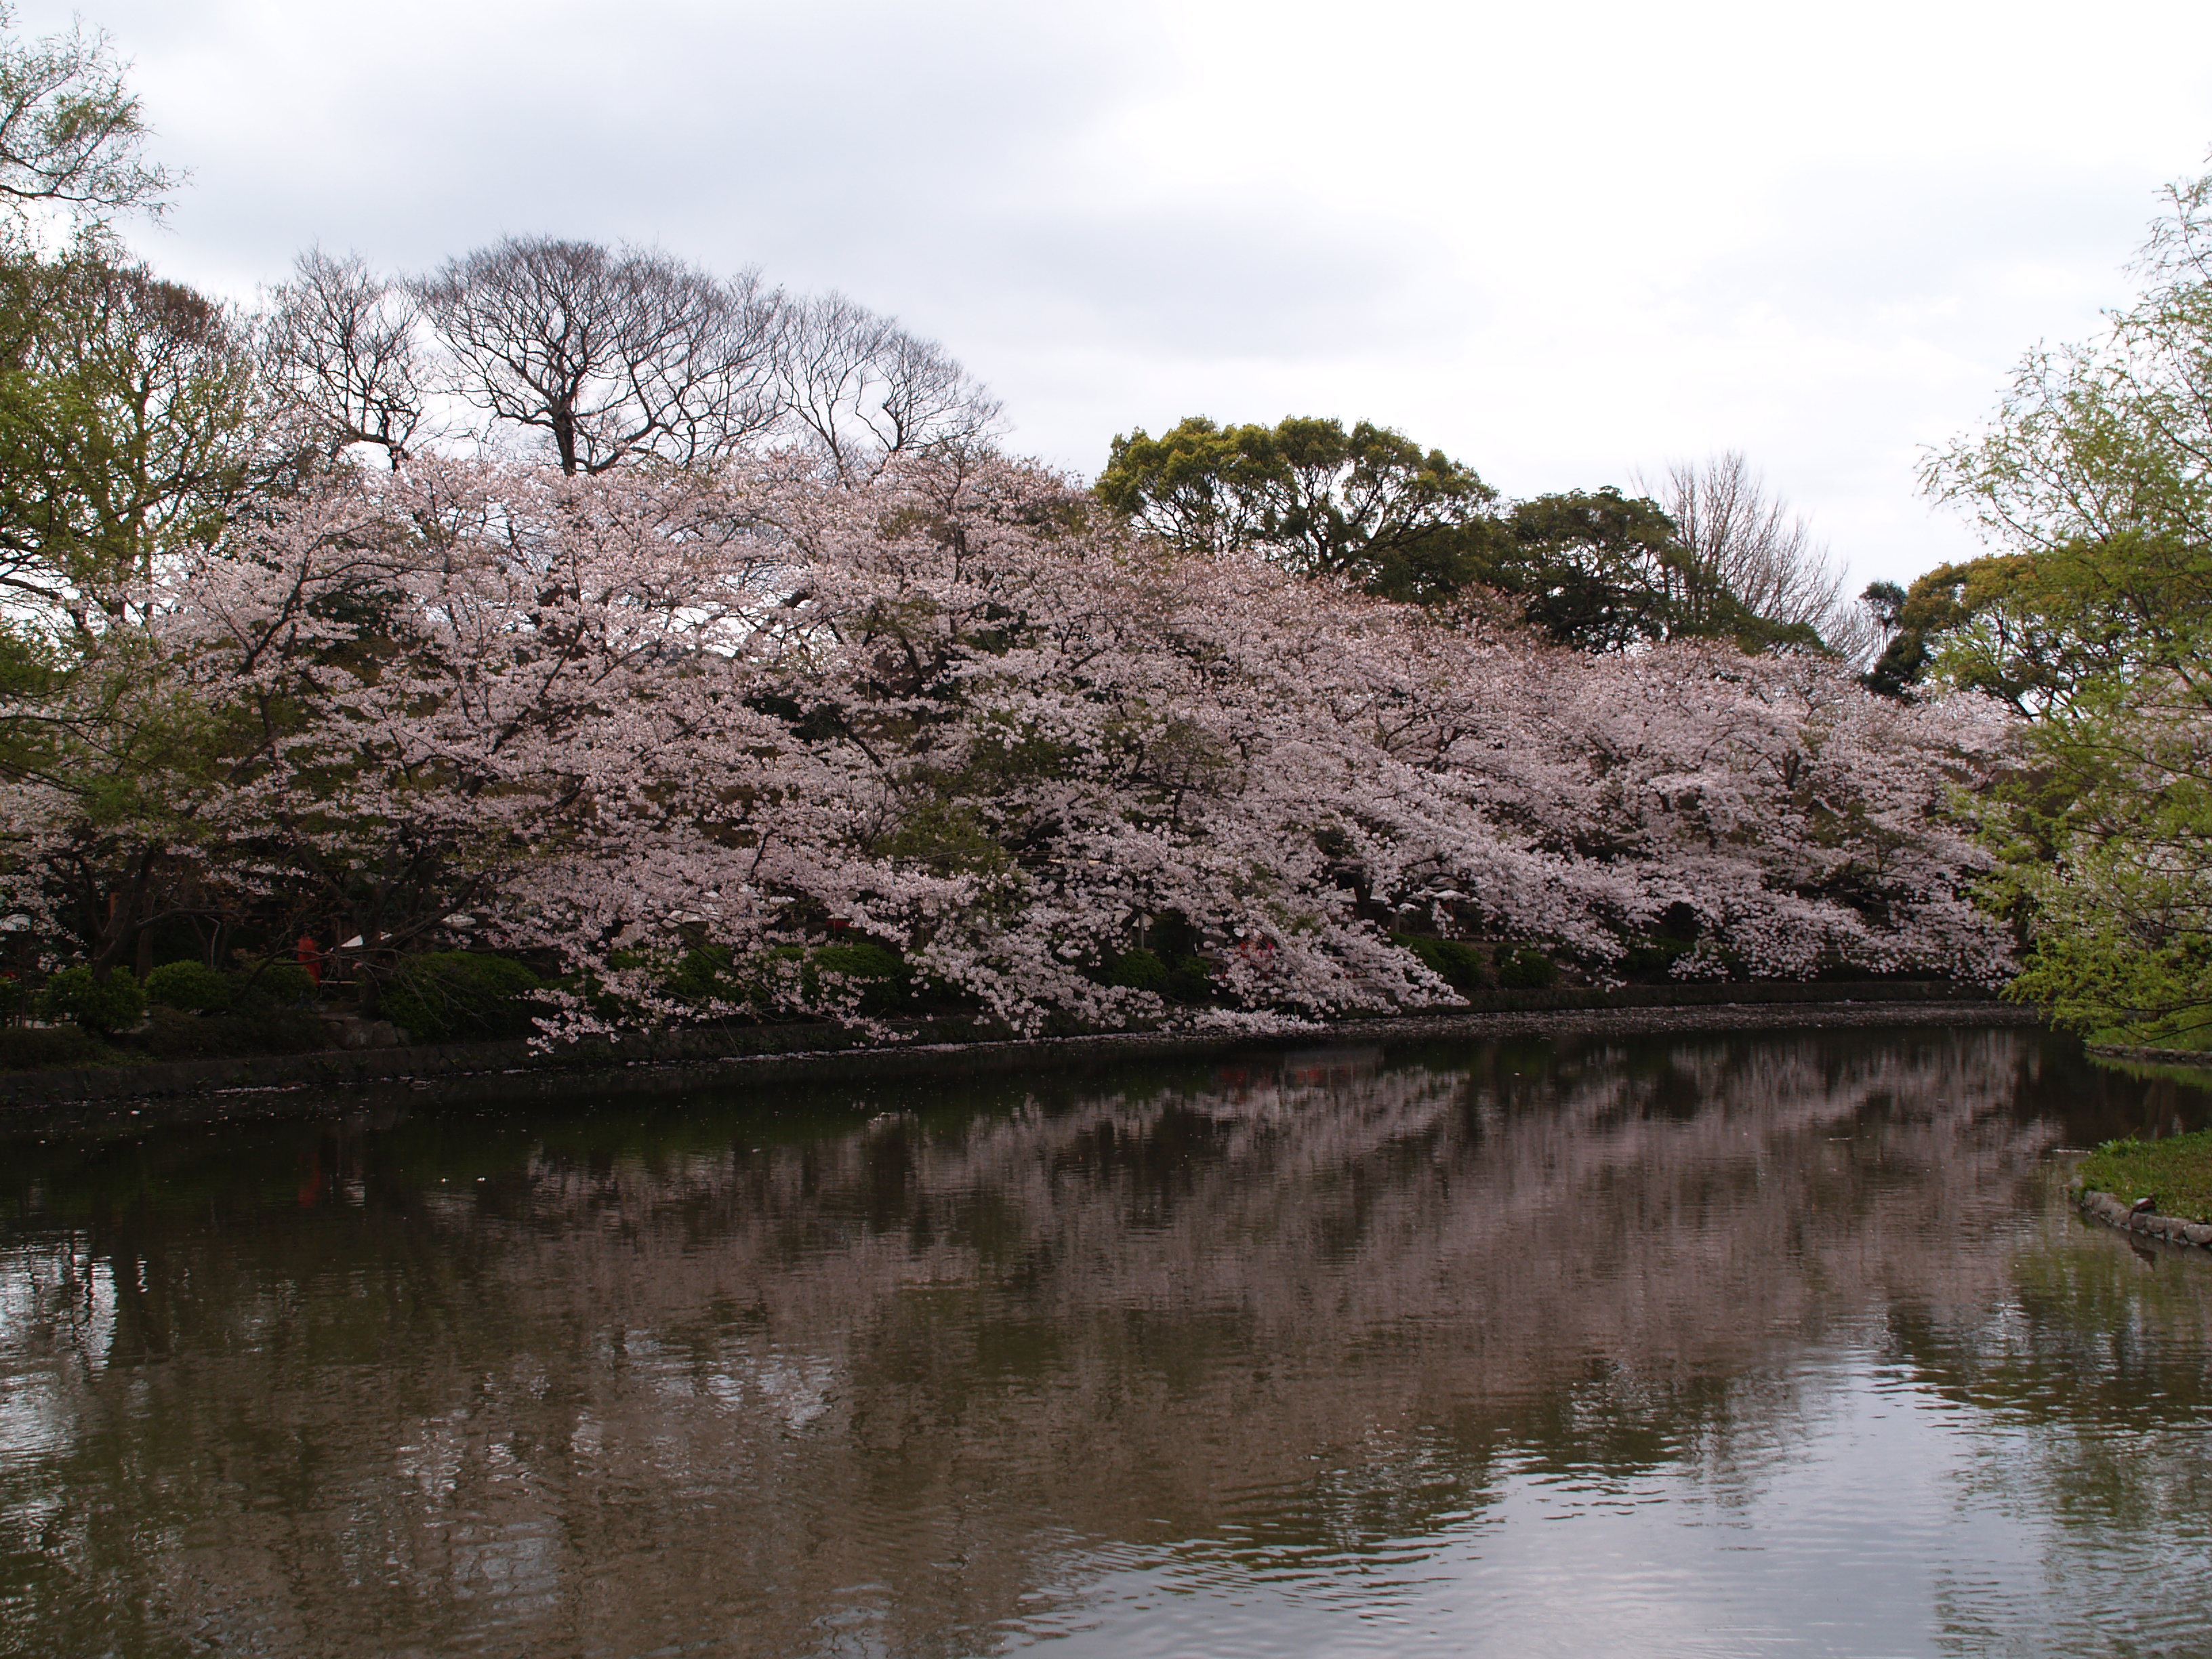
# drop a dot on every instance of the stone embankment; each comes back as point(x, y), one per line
point(2103, 1206)
point(683, 1061)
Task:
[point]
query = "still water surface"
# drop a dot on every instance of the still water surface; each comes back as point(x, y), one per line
point(1710, 1345)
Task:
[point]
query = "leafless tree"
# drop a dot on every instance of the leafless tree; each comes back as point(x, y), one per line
point(863, 389)
point(1746, 544)
point(346, 348)
point(613, 354)
point(610, 355)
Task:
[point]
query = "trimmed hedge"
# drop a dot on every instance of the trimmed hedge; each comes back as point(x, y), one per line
point(1140, 970)
point(175, 1034)
point(1526, 969)
point(1185, 979)
point(709, 973)
point(192, 986)
point(878, 973)
point(271, 987)
point(101, 1006)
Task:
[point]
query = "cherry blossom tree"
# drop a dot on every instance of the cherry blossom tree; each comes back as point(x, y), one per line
point(633, 720)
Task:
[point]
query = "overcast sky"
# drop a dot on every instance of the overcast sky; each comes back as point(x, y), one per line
point(1562, 242)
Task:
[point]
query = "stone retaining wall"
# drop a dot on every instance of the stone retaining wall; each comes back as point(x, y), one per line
point(677, 1063)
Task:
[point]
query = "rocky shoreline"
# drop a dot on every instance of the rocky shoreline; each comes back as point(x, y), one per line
point(2151, 1056)
point(2103, 1206)
point(343, 1081)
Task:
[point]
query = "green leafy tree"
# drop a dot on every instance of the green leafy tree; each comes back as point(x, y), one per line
point(1368, 504)
point(126, 759)
point(72, 135)
point(1599, 570)
point(2095, 621)
point(130, 427)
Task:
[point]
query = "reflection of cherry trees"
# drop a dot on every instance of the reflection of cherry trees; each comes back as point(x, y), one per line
point(710, 1384)
point(958, 712)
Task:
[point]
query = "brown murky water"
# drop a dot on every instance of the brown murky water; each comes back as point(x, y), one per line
point(1690, 1345)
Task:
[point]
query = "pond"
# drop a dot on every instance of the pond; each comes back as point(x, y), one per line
point(1779, 1344)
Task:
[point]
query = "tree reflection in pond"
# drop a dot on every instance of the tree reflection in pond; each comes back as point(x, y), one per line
point(1795, 1334)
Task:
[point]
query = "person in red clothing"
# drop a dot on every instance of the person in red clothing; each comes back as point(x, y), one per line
point(310, 958)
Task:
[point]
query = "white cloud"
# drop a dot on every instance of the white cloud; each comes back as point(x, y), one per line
point(1561, 242)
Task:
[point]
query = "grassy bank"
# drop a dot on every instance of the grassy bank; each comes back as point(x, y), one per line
point(2176, 1174)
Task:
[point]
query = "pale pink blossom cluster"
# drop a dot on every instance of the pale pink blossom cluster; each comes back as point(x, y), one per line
point(962, 713)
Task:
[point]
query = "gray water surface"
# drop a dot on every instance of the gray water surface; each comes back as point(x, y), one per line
point(1780, 1345)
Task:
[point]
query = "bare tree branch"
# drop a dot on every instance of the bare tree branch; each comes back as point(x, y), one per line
point(345, 346)
point(864, 390)
point(1745, 544)
point(613, 355)
point(70, 131)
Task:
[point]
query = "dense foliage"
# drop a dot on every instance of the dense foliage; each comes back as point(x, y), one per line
point(1599, 570)
point(2094, 621)
point(960, 713)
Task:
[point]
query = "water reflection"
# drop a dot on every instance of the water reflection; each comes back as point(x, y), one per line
point(1710, 1346)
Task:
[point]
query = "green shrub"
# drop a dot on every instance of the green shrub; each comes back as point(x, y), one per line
point(1460, 965)
point(448, 996)
point(1526, 969)
point(193, 986)
point(101, 1006)
point(1186, 978)
point(1168, 965)
point(1657, 956)
point(13, 997)
point(1190, 979)
point(269, 986)
point(707, 974)
point(879, 974)
point(1140, 970)
point(23, 1048)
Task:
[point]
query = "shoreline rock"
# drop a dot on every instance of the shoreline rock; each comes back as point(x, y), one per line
point(2103, 1206)
point(2151, 1056)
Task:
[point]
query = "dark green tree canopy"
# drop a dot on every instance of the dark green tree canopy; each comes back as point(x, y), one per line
point(1600, 570)
point(1368, 504)
point(1596, 570)
point(2037, 627)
